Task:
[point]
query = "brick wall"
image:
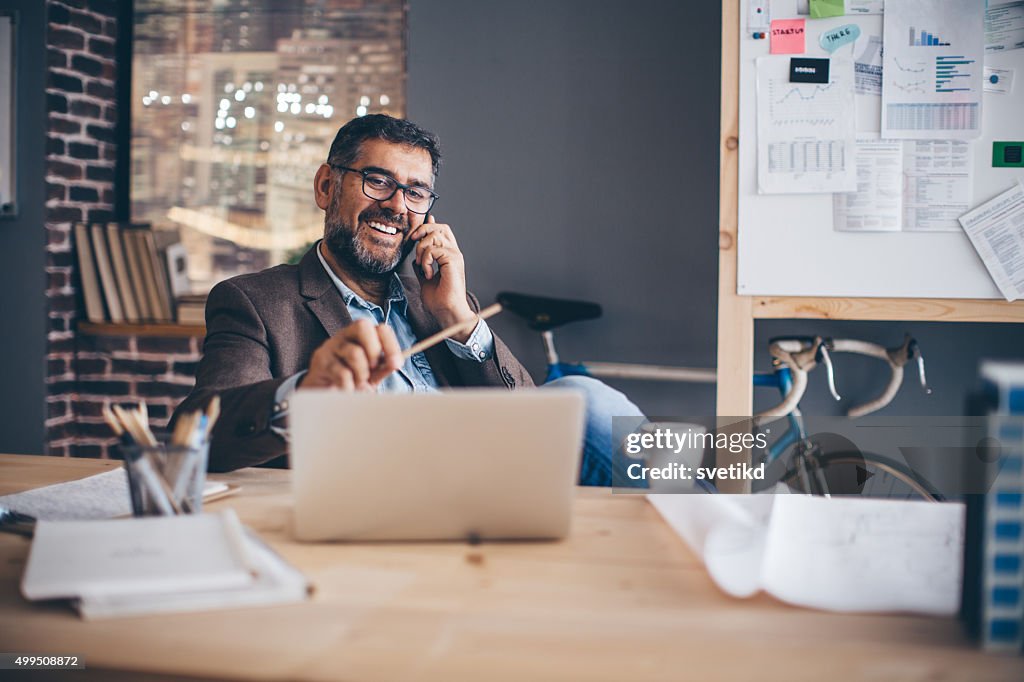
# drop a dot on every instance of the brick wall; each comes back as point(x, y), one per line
point(83, 372)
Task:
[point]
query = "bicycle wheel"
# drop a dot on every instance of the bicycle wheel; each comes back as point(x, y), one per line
point(867, 475)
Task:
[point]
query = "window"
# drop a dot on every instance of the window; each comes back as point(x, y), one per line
point(235, 104)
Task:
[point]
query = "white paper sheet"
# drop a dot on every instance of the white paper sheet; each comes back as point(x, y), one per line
point(144, 556)
point(877, 205)
point(999, 81)
point(907, 185)
point(1004, 26)
point(938, 182)
point(805, 131)
point(100, 496)
point(868, 66)
point(932, 69)
point(996, 229)
point(838, 554)
point(850, 554)
point(865, 6)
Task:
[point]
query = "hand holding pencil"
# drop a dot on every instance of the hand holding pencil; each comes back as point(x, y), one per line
point(361, 355)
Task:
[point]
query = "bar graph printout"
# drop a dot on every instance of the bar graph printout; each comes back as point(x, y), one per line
point(806, 132)
point(933, 69)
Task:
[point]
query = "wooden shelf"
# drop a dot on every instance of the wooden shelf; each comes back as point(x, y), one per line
point(916, 309)
point(151, 329)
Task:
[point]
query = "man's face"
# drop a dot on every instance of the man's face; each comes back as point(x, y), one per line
point(356, 227)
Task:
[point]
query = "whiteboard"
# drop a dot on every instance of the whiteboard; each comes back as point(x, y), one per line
point(786, 243)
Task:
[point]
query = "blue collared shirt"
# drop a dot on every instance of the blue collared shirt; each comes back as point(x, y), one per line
point(415, 376)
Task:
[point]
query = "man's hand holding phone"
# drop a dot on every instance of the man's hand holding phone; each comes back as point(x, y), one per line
point(355, 359)
point(441, 271)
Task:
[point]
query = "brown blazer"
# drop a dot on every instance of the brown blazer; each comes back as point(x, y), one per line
point(263, 328)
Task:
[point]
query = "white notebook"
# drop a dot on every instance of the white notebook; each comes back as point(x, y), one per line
point(137, 556)
point(277, 582)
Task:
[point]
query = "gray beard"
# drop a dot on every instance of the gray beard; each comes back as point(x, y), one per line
point(341, 241)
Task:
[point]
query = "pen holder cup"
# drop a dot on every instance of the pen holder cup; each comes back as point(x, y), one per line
point(165, 479)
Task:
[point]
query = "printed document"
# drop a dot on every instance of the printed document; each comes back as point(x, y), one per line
point(868, 67)
point(996, 229)
point(806, 132)
point(1004, 26)
point(906, 185)
point(932, 69)
point(938, 181)
point(865, 6)
point(838, 554)
point(877, 205)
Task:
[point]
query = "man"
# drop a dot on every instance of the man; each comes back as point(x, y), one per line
point(342, 317)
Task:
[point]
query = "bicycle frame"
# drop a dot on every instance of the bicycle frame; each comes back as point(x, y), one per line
point(621, 370)
point(782, 379)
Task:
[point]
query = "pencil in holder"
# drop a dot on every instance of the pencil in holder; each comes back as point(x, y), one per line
point(165, 479)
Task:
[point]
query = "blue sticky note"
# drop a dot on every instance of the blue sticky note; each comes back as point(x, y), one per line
point(835, 38)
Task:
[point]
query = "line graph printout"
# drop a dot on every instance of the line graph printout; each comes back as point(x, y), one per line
point(933, 66)
point(805, 131)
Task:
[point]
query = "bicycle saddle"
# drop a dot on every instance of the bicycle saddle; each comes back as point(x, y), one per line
point(542, 313)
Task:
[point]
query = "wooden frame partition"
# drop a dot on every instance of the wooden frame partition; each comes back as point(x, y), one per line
point(736, 314)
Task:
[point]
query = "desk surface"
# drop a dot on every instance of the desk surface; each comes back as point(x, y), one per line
point(622, 598)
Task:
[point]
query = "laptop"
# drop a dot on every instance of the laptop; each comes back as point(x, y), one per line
point(470, 464)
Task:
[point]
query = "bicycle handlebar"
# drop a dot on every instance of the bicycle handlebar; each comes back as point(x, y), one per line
point(801, 355)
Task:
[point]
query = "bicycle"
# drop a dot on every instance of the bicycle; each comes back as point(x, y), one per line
point(810, 467)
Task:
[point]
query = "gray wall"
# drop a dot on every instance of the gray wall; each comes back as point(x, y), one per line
point(581, 161)
point(22, 247)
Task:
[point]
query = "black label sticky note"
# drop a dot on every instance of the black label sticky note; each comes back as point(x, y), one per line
point(1008, 154)
point(805, 70)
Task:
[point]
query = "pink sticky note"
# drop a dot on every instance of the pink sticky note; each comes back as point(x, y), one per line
point(787, 36)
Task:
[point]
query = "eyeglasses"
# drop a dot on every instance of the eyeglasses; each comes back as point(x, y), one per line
point(381, 187)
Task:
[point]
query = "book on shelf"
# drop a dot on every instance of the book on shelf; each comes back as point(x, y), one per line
point(125, 289)
point(159, 270)
point(105, 269)
point(91, 291)
point(191, 309)
point(153, 278)
point(136, 274)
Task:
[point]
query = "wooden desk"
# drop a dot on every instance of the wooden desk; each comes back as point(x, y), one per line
point(623, 598)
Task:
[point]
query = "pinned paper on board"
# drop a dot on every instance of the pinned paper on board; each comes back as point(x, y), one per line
point(865, 7)
point(906, 185)
point(806, 132)
point(932, 69)
point(998, 80)
point(1004, 26)
point(788, 36)
point(867, 68)
point(759, 15)
point(822, 9)
point(835, 38)
point(994, 229)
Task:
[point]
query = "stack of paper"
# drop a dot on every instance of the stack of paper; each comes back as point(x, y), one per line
point(157, 565)
point(840, 554)
point(101, 496)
